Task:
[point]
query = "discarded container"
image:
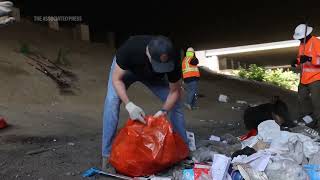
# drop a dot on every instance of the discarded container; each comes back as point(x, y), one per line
point(223, 98)
point(3, 123)
point(313, 171)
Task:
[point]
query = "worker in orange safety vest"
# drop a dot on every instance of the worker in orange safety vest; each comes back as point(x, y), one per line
point(191, 77)
point(309, 88)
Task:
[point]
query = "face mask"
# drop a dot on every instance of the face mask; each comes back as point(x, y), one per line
point(190, 54)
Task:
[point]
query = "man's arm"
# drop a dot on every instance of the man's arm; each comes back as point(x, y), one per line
point(118, 84)
point(173, 96)
point(135, 112)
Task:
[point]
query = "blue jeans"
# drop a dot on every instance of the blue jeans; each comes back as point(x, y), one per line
point(192, 90)
point(112, 108)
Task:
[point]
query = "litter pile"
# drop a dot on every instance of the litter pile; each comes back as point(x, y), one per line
point(270, 154)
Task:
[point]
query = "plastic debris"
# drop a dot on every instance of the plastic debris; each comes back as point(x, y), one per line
point(249, 173)
point(192, 141)
point(241, 102)
point(202, 154)
point(307, 119)
point(313, 171)
point(268, 131)
point(214, 138)
point(258, 161)
point(220, 166)
point(285, 169)
point(315, 158)
point(223, 98)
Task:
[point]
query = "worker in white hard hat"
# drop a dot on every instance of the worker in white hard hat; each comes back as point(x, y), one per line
point(191, 77)
point(309, 88)
point(5, 10)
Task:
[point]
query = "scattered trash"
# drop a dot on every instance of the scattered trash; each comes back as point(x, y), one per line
point(285, 169)
point(307, 119)
point(241, 102)
point(203, 154)
point(71, 144)
point(3, 123)
point(258, 161)
point(191, 140)
point(313, 171)
point(214, 138)
point(198, 172)
point(305, 130)
point(245, 151)
point(315, 159)
point(223, 98)
point(268, 130)
point(249, 173)
point(70, 174)
point(236, 108)
point(220, 166)
point(251, 133)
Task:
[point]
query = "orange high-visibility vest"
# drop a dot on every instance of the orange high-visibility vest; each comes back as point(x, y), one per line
point(189, 70)
point(310, 70)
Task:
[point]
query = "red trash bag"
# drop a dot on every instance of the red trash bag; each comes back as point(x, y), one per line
point(252, 132)
point(140, 150)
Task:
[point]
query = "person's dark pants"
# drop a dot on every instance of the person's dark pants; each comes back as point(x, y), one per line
point(309, 100)
point(192, 90)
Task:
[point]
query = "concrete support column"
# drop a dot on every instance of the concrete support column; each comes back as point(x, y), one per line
point(81, 32)
point(84, 32)
point(16, 14)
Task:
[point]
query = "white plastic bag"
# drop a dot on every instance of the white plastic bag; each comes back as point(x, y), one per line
point(285, 170)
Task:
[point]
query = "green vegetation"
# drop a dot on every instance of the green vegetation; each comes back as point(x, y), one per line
point(284, 78)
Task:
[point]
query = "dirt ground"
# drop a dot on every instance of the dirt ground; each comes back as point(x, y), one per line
point(70, 125)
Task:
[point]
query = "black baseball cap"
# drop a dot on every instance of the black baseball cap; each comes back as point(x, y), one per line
point(162, 54)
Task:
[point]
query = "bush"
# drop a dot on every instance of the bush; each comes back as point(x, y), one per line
point(253, 72)
point(283, 78)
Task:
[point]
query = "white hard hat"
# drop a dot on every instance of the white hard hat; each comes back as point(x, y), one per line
point(190, 49)
point(299, 32)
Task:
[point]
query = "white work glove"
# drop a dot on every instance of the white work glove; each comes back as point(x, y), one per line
point(160, 113)
point(135, 112)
